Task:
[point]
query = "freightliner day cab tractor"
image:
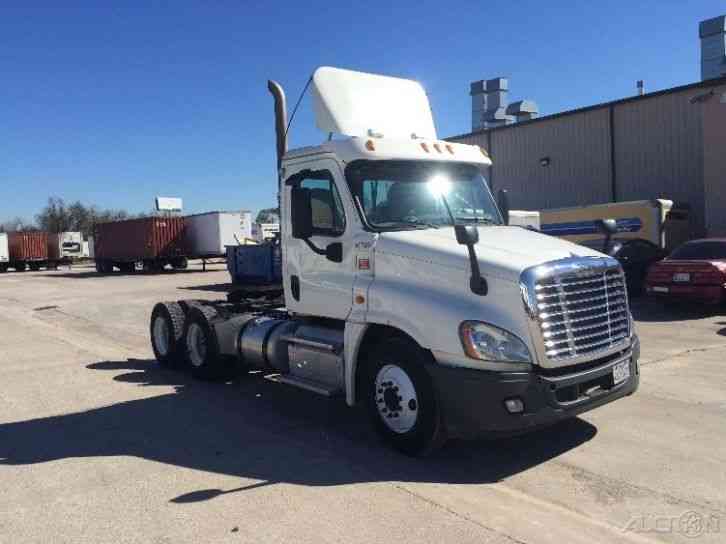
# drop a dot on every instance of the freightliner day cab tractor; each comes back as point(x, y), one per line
point(405, 290)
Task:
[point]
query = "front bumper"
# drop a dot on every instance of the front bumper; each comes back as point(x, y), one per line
point(472, 401)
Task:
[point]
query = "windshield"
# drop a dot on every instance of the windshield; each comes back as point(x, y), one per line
point(397, 195)
point(697, 251)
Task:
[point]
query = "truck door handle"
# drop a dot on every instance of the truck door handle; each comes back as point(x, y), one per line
point(295, 287)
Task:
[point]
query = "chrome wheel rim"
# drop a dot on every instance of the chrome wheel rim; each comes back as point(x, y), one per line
point(161, 336)
point(396, 399)
point(196, 345)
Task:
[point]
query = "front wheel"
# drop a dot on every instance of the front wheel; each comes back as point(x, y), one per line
point(400, 398)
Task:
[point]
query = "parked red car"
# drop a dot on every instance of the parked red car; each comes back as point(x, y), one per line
point(695, 271)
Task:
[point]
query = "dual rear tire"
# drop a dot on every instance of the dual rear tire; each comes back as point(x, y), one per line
point(183, 336)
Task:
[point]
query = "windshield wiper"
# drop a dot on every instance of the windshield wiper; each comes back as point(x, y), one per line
point(407, 224)
point(478, 220)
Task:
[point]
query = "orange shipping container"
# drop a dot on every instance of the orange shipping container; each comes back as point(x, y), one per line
point(138, 239)
point(28, 246)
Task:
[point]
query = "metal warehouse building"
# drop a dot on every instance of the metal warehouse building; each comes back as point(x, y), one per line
point(669, 144)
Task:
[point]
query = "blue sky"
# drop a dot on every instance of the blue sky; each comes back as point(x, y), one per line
point(115, 105)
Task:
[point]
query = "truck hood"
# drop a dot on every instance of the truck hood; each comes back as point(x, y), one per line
point(502, 251)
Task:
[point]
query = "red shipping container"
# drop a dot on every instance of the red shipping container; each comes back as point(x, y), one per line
point(28, 246)
point(139, 239)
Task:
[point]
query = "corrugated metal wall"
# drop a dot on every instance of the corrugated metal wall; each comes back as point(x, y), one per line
point(714, 162)
point(658, 153)
point(578, 149)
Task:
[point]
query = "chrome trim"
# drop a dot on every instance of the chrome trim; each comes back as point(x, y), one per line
point(585, 374)
point(555, 336)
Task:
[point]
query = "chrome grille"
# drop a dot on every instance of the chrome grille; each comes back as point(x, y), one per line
point(581, 311)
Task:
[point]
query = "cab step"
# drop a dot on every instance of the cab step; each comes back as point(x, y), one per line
point(309, 385)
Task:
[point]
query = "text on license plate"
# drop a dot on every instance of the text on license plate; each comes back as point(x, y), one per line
point(660, 289)
point(682, 277)
point(621, 372)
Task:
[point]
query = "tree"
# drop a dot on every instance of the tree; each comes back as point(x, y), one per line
point(57, 216)
point(16, 224)
point(268, 215)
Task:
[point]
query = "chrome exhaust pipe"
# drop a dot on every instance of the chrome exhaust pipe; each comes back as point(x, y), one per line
point(280, 119)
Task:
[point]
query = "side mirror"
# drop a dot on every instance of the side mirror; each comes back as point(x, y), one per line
point(301, 213)
point(334, 252)
point(466, 235)
point(503, 203)
point(608, 227)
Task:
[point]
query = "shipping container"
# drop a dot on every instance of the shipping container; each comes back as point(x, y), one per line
point(4, 254)
point(29, 249)
point(153, 241)
point(209, 233)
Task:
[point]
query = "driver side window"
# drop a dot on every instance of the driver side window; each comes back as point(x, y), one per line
point(328, 214)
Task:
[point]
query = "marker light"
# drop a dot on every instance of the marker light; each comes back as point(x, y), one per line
point(425, 147)
point(437, 148)
point(439, 185)
point(450, 148)
point(484, 152)
point(370, 145)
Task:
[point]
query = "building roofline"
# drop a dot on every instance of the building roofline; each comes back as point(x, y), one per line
point(698, 85)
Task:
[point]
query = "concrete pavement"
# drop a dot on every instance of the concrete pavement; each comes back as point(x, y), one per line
point(98, 444)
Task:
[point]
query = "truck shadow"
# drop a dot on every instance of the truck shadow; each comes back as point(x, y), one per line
point(117, 274)
point(214, 287)
point(254, 429)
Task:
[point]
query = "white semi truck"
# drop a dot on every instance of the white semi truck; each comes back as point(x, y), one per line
point(405, 290)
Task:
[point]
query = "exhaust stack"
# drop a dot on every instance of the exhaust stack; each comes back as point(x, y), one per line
point(280, 119)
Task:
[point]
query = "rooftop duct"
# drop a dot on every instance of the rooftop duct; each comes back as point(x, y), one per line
point(490, 105)
point(713, 47)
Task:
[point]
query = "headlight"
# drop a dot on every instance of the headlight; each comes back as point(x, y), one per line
point(490, 343)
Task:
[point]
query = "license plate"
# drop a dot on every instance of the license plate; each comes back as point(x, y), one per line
point(621, 372)
point(660, 289)
point(682, 277)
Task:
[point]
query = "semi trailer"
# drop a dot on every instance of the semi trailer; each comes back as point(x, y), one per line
point(404, 289)
point(152, 241)
point(28, 250)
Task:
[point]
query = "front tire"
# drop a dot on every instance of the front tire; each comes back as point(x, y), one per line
point(166, 330)
point(400, 399)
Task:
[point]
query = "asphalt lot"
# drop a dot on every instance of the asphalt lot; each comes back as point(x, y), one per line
point(98, 444)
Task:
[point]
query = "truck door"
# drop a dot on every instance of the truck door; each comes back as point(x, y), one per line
point(315, 284)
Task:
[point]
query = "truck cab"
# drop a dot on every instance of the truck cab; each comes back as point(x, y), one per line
point(406, 291)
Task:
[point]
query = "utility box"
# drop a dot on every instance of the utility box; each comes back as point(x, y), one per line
point(209, 233)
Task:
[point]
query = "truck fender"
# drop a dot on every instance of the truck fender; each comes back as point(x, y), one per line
point(352, 340)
